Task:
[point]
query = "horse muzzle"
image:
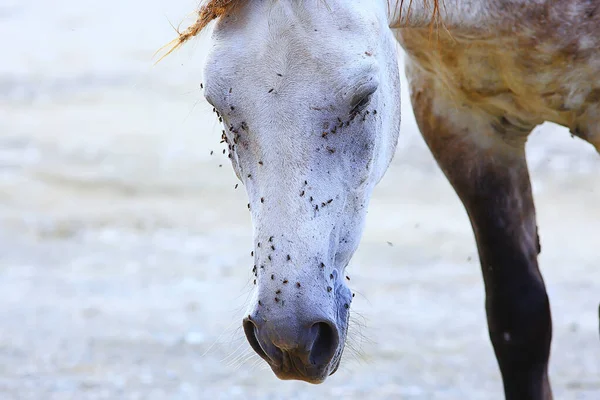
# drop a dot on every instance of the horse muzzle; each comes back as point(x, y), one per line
point(306, 351)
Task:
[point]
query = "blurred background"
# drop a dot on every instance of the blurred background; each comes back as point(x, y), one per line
point(124, 247)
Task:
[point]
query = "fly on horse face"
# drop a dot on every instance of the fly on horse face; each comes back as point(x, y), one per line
point(309, 94)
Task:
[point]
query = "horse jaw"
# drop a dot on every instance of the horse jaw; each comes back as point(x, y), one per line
point(309, 96)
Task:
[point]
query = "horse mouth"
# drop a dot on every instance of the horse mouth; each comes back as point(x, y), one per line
point(290, 370)
point(294, 369)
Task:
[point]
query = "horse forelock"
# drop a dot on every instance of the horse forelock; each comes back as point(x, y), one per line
point(209, 11)
point(214, 9)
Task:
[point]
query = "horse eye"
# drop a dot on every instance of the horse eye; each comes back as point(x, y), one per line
point(359, 104)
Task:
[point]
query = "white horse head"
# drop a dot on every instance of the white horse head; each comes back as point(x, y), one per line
point(309, 96)
point(308, 92)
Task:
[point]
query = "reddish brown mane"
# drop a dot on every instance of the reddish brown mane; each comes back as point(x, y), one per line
point(209, 10)
point(212, 9)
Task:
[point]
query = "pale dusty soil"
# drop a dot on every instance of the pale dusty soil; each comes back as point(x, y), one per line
point(124, 249)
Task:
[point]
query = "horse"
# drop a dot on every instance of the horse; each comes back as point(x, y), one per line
point(309, 95)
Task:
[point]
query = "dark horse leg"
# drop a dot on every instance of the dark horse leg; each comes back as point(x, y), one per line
point(483, 157)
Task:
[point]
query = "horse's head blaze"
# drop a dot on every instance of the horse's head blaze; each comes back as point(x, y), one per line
point(285, 80)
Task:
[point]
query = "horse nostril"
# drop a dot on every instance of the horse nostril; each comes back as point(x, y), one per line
point(325, 344)
point(250, 329)
point(292, 348)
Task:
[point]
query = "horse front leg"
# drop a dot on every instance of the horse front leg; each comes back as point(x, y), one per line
point(484, 159)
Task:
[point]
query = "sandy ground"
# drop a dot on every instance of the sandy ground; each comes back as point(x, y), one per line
point(124, 248)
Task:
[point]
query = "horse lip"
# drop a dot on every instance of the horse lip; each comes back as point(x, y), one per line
point(288, 370)
point(289, 374)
